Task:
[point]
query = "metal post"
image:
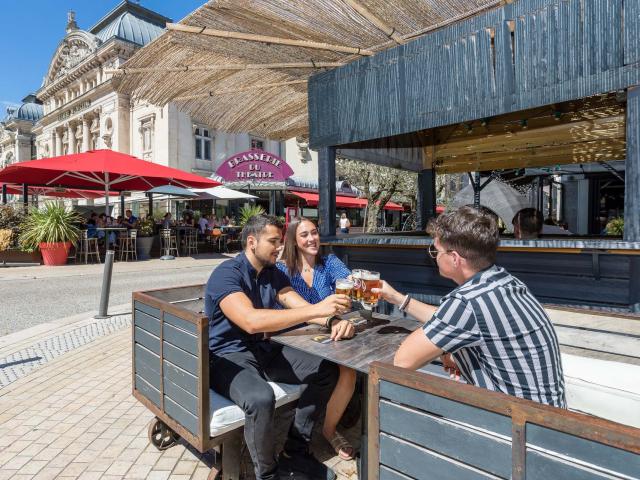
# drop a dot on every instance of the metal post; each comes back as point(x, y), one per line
point(632, 168)
point(327, 191)
point(150, 195)
point(426, 205)
point(25, 196)
point(4, 194)
point(106, 285)
point(476, 190)
point(122, 204)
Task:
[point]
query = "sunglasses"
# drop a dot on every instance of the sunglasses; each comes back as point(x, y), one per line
point(434, 252)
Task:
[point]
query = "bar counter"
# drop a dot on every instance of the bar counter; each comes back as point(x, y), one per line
point(592, 273)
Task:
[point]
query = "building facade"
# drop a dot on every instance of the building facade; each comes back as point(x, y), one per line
point(17, 138)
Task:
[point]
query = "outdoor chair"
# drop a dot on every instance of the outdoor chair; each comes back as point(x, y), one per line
point(168, 242)
point(127, 244)
point(87, 247)
point(191, 242)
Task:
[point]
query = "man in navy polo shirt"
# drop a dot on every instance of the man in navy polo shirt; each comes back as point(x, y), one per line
point(240, 300)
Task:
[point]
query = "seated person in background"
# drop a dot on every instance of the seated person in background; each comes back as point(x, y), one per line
point(119, 221)
point(167, 221)
point(187, 219)
point(549, 227)
point(527, 224)
point(203, 223)
point(225, 221)
point(213, 221)
point(497, 334)
point(91, 228)
point(130, 220)
point(314, 277)
point(240, 301)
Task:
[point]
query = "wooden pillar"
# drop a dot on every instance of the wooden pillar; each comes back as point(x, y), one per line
point(426, 204)
point(632, 168)
point(327, 191)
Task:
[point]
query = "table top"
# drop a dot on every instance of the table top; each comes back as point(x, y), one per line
point(375, 340)
point(112, 228)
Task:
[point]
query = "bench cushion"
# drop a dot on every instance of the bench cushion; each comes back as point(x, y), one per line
point(227, 416)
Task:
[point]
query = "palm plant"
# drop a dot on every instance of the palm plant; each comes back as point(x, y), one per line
point(52, 224)
point(249, 211)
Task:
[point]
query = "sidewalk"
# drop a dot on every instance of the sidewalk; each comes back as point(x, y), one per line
point(74, 417)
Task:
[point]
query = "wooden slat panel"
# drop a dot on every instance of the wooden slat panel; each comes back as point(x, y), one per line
point(180, 338)
point(484, 451)
point(146, 372)
point(147, 357)
point(544, 467)
point(180, 377)
point(389, 474)
point(584, 450)
point(180, 415)
point(154, 312)
point(445, 408)
point(181, 397)
point(631, 37)
point(147, 340)
point(180, 323)
point(176, 294)
point(179, 357)
point(147, 322)
point(147, 390)
point(423, 464)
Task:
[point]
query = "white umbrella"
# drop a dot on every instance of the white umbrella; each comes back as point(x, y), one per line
point(220, 193)
point(504, 200)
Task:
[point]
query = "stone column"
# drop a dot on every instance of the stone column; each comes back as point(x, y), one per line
point(72, 137)
point(327, 190)
point(52, 147)
point(85, 134)
point(58, 137)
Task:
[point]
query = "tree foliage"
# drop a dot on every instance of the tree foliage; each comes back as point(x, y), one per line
point(378, 185)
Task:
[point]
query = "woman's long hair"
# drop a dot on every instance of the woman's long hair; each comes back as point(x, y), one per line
point(290, 254)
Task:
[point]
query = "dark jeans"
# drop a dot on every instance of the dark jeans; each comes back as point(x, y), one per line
point(242, 377)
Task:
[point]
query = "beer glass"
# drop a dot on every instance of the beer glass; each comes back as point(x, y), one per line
point(356, 293)
point(344, 286)
point(370, 280)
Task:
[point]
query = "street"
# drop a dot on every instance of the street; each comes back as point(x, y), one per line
point(33, 295)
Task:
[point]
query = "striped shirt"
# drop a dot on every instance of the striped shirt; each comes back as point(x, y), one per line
point(324, 279)
point(500, 337)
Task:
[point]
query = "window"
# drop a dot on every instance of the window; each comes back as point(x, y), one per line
point(146, 136)
point(203, 143)
point(257, 144)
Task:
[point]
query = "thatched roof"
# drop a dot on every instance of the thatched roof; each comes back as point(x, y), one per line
point(233, 85)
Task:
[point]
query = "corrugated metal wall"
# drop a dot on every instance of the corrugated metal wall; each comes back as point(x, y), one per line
point(527, 54)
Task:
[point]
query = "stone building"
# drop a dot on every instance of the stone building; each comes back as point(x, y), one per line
point(17, 139)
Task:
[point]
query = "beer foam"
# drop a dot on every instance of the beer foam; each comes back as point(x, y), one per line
point(370, 276)
point(344, 284)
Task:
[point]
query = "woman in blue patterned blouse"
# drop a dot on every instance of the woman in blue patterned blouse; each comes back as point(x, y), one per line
point(314, 278)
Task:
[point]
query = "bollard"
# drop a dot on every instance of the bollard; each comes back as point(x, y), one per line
point(106, 285)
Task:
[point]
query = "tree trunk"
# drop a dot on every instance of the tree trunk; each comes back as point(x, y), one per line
point(372, 217)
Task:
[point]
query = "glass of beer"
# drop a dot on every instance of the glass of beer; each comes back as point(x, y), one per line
point(356, 293)
point(344, 286)
point(370, 280)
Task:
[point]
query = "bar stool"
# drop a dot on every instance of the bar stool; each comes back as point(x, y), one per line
point(168, 242)
point(127, 244)
point(191, 242)
point(87, 246)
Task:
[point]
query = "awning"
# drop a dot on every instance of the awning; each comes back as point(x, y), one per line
point(312, 200)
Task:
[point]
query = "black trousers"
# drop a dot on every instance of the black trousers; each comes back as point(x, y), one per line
point(242, 377)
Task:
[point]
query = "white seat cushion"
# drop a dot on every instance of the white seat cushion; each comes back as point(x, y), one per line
point(227, 416)
point(603, 388)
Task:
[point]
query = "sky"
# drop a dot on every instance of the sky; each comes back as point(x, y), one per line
point(32, 30)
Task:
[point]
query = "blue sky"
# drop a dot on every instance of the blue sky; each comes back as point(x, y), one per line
point(32, 30)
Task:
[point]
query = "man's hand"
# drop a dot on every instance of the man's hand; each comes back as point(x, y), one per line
point(449, 365)
point(342, 329)
point(332, 305)
point(388, 293)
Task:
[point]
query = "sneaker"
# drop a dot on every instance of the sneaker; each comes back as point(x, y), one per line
point(306, 464)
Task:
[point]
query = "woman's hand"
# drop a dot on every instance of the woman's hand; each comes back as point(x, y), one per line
point(342, 329)
point(388, 293)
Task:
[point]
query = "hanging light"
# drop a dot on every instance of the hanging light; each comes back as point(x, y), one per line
point(557, 115)
point(484, 122)
point(524, 124)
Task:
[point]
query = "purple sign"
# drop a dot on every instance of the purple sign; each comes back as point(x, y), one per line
point(255, 166)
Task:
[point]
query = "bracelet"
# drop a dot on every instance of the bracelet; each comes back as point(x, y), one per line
point(405, 303)
point(328, 322)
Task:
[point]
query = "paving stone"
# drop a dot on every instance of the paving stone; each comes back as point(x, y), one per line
point(119, 468)
point(48, 473)
point(74, 469)
point(184, 468)
point(32, 467)
point(16, 463)
point(166, 463)
point(159, 475)
point(138, 471)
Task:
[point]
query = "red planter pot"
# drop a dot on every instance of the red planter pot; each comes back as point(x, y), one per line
point(54, 254)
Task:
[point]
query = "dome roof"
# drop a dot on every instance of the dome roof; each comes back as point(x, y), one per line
point(29, 111)
point(132, 23)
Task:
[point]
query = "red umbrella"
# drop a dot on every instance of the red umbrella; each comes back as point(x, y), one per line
point(107, 169)
point(58, 192)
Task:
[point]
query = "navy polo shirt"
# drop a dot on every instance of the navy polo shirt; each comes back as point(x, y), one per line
point(238, 275)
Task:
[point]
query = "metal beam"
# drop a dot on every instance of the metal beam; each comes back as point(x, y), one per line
point(327, 191)
point(632, 168)
point(426, 204)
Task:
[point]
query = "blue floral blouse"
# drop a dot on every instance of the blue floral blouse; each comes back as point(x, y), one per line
point(324, 279)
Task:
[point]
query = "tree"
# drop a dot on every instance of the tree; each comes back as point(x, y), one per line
point(378, 184)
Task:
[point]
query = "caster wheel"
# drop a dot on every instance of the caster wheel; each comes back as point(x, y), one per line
point(161, 436)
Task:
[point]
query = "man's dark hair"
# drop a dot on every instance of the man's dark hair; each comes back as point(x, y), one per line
point(529, 222)
point(256, 224)
point(470, 232)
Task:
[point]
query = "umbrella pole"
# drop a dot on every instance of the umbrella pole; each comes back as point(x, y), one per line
point(106, 194)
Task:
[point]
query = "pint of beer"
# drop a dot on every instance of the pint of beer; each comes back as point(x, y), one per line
point(370, 280)
point(344, 286)
point(356, 293)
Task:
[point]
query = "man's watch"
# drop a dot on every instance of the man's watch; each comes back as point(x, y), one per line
point(329, 321)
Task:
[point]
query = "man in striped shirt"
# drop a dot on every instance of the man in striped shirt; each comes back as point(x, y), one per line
point(497, 333)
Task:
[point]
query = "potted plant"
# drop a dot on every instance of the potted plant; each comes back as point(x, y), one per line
point(52, 229)
point(249, 211)
point(11, 220)
point(146, 230)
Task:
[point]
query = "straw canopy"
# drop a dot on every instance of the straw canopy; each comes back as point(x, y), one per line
point(242, 65)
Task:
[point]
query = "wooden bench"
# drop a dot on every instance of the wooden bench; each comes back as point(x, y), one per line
point(170, 376)
point(424, 427)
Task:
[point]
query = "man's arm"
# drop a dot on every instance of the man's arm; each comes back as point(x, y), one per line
point(418, 310)
point(416, 350)
point(238, 308)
